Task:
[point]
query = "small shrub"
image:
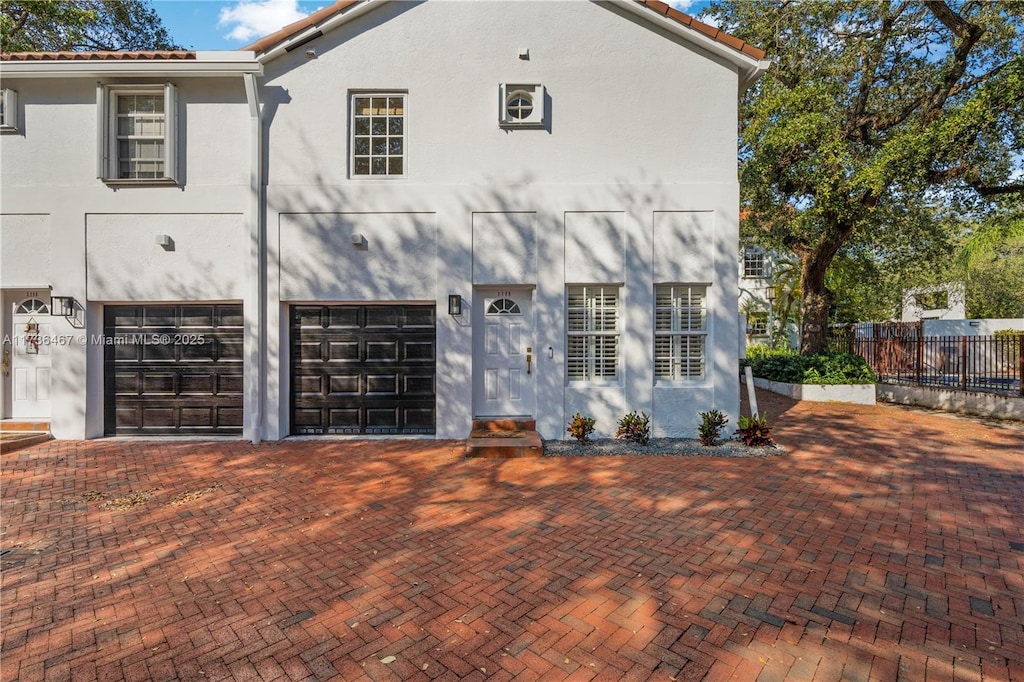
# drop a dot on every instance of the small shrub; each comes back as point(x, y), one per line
point(827, 369)
point(581, 427)
point(754, 431)
point(710, 428)
point(635, 428)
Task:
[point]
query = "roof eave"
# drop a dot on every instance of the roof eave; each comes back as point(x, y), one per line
point(750, 68)
point(293, 35)
point(226, 64)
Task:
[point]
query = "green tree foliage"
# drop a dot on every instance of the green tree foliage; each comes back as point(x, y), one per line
point(871, 112)
point(81, 25)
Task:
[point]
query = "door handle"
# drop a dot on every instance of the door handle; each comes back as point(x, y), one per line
point(529, 360)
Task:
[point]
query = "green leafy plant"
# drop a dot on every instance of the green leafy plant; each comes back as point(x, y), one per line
point(635, 428)
point(754, 431)
point(711, 424)
point(581, 427)
point(825, 369)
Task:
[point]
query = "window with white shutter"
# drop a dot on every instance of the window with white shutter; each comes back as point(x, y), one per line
point(680, 332)
point(593, 333)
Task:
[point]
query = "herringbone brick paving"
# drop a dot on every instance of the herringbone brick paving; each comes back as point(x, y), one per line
point(886, 545)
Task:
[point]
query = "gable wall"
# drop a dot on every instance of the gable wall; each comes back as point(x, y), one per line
point(633, 183)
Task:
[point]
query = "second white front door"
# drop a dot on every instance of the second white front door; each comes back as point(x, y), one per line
point(503, 355)
point(30, 364)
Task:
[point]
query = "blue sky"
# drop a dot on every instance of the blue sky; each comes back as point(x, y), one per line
point(231, 24)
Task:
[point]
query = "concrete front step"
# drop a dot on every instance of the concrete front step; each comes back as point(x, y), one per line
point(12, 441)
point(25, 425)
point(505, 424)
point(504, 438)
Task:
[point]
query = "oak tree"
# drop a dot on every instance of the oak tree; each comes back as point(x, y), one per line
point(81, 25)
point(871, 112)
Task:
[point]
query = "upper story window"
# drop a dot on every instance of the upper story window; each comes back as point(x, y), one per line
point(8, 110)
point(138, 133)
point(378, 135)
point(593, 331)
point(755, 262)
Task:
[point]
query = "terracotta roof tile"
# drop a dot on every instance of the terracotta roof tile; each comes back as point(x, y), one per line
point(95, 56)
point(288, 31)
point(710, 31)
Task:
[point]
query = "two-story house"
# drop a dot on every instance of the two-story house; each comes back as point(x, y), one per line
point(388, 218)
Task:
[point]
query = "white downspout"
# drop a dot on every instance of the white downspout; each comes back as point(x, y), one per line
point(256, 269)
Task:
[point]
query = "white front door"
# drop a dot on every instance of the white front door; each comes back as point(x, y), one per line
point(30, 361)
point(503, 359)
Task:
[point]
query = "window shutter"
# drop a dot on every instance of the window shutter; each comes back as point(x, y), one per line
point(171, 131)
point(102, 131)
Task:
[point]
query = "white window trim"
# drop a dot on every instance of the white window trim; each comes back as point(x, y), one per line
point(9, 120)
point(617, 333)
point(535, 91)
point(352, 94)
point(704, 333)
point(762, 256)
point(106, 157)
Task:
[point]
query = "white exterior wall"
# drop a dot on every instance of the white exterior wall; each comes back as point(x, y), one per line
point(62, 227)
point(633, 182)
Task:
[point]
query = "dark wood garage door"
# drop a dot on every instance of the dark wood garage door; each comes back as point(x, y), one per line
point(173, 369)
point(365, 369)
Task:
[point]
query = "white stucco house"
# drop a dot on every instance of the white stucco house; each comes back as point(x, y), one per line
point(389, 218)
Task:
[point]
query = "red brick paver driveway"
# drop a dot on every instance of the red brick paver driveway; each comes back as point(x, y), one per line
point(887, 545)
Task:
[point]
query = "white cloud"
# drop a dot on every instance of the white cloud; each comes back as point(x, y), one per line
point(682, 5)
point(249, 19)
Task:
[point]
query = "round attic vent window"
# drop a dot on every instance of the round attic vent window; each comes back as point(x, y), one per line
point(520, 105)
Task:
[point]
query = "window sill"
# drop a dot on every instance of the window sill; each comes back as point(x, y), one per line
point(147, 182)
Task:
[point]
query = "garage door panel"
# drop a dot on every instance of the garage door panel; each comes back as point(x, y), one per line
point(418, 385)
point(377, 351)
point(344, 420)
point(159, 317)
point(196, 417)
point(418, 351)
point(229, 317)
point(342, 351)
point(229, 384)
point(344, 384)
point(197, 316)
point(161, 381)
point(343, 318)
point(198, 384)
point(382, 385)
point(155, 384)
point(365, 357)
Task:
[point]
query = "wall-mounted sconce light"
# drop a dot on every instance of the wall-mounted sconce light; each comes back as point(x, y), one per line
point(358, 240)
point(524, 53)
point(311, 53)
point(454, 304)
point(62, 306)
point(165, 242)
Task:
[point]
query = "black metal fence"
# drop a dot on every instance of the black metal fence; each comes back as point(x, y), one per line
point(967, 363)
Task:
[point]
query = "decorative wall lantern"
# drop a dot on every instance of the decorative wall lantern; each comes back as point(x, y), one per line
point(62, 306)
point(454, 305)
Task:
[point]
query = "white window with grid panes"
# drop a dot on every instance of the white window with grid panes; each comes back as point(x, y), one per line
point(593, 333)
point(755, 263)
point(680, 332)
point(378, 135)
point(137, 136)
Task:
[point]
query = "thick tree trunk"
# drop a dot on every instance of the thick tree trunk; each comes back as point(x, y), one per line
point(814, 304)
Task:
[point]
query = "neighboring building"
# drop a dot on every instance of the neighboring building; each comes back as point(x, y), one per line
point(757, 295)
point(942, 302)
point(388, 218)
